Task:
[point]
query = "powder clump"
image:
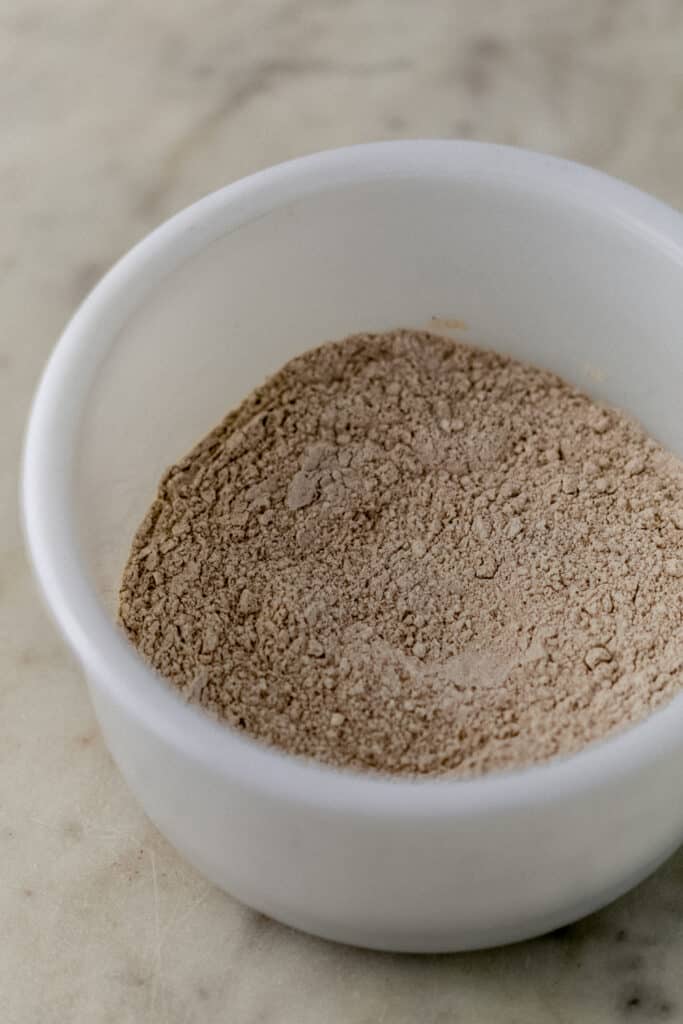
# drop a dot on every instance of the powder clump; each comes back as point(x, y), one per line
point(408, 555)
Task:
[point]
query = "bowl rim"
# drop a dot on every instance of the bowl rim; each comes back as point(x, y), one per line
point(107, 657)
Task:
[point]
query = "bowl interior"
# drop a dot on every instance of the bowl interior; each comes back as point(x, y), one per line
point(542, 273)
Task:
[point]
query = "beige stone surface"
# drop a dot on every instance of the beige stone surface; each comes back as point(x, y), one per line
point(113, 116)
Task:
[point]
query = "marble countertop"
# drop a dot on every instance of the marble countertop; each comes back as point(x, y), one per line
point(114, 116)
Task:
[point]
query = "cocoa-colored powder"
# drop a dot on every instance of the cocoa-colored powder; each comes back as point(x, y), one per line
point(408, 555)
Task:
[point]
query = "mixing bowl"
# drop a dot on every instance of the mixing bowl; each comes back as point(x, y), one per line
point(537, 257)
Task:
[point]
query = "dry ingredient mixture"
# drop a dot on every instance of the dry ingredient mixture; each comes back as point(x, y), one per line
point(408, 555)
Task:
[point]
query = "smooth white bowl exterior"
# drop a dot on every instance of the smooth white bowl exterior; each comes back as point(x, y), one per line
point(541, 258)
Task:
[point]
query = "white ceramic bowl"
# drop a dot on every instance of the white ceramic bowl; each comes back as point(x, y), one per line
point(541, 258)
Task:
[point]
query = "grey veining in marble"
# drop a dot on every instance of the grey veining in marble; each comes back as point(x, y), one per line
point(114, 115)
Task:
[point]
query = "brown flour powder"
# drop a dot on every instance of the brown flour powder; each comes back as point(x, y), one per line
point(409, 555)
